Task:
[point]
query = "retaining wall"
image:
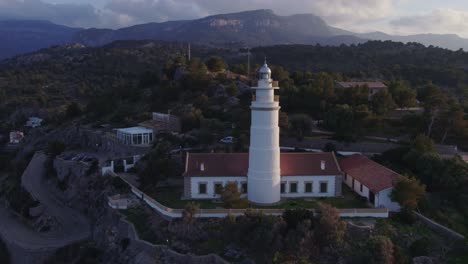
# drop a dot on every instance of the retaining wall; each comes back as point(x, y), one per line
point(220, 213)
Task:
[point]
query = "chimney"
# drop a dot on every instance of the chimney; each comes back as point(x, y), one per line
point(202, 166)
point(322, 165)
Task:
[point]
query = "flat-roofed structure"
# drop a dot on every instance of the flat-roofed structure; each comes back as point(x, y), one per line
point(135, 135)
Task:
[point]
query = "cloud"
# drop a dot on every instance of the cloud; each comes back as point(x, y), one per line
point(68, 14)
point(438, 21)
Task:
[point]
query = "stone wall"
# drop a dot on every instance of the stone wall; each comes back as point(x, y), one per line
point(439, 228)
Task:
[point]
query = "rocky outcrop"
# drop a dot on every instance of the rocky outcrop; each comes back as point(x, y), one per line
point(422, 260)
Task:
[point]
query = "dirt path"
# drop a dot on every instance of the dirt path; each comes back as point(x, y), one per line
point(21, 238)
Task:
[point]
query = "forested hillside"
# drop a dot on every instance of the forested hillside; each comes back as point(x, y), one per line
point(123, 81)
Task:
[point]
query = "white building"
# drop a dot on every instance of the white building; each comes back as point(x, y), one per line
point(302, 174)
point(16, 137)
point(370, 179)
point(264, 174)
point(135, 135)
point(34, 122)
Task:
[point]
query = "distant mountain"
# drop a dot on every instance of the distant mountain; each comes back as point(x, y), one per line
point(255, 28)
point(21, 36)
point(448, 41)
point(250, 28)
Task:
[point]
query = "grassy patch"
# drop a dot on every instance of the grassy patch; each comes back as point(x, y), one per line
point(139, 218)
point(171, 197)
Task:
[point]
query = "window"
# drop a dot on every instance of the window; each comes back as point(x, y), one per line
point(308, 187)
point(293, 187)
point(202, 188)
point(360, 187)
point(283, 187)
point(218, 187)
point(324, 187)
point(244, 187)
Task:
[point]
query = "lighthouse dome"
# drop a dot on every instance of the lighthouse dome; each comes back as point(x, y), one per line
point(264, 72)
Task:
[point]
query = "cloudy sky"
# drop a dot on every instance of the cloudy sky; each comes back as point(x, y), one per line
point(390, 16)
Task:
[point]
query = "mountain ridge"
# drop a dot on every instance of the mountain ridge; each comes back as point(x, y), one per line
point(248, 28)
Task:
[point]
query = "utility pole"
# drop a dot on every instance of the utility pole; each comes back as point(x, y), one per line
point(248, 62)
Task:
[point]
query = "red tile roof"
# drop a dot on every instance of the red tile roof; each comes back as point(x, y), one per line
point(368, 172)
point(237, 164)
point(369, 84)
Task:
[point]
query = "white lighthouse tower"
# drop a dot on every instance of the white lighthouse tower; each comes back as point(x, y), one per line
point(264, 152)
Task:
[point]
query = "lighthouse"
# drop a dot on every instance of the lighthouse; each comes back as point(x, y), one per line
point(263, 174)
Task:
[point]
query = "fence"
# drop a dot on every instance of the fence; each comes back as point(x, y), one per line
point(220, 213)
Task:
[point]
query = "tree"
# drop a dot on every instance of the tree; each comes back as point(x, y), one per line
point(382, 250)
point(230, 194)
point(423, 144)
point(382, 103)
point(300, 125)
point(330, 228)
point(283, 120)
point(434, 100)
point(73, 110)
point(216, 64)
point(340, 119)
point(232, 89)
point(408, 192)
point(55, 148)
point(190, 210)
point(403, 95)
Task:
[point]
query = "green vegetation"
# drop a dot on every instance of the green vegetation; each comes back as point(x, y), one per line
point(4, 253)
point(171, 197)
point(80, 252)
point(140, 219)
point(408, 192)
point(446, 180)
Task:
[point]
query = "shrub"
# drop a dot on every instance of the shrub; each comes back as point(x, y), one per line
point(189, 212)
point(420, 247)
point(4, 253)
point(124, 242)
point(230, 194)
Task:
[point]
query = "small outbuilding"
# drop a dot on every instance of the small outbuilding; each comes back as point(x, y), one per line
point(16, 137)
point(34, 122)
point(374, 87)
point(135, 135)
point(370, 179)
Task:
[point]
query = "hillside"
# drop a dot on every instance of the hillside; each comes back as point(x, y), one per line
point(23, 36)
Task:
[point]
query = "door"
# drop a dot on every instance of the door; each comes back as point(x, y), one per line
point(371, 197)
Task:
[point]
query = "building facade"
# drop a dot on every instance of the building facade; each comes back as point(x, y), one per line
point(302, 175)
point(371, 180)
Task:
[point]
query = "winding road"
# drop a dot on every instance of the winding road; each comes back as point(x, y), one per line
point(23, 241)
